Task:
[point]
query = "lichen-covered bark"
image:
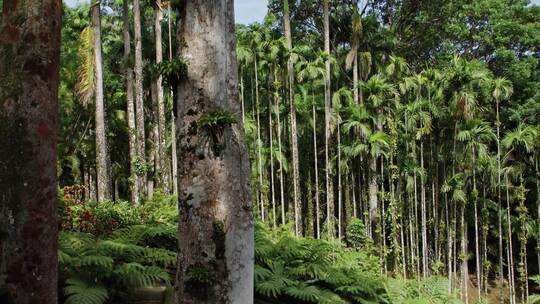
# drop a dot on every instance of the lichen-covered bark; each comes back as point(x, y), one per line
point(29, 62)
point(216, 246)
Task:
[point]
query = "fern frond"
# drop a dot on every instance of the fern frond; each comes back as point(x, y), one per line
point(304, 292)
point(80, 292)
point(137, 275)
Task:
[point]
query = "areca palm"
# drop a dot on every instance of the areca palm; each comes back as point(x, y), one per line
point(521, 139)
point(475, 135)
point(502, 91)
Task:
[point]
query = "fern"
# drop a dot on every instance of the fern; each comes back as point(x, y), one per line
point(303, 291)
point(137, 275)
point(80, 292)
point(274, 281)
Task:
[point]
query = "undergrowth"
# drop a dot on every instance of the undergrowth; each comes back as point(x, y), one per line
point(107, 250)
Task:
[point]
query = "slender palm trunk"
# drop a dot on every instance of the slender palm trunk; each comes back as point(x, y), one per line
point(499, 201)
point(340, 194)
point(139, 89)
point(174, 156)
point(271, 139)
point(509, 244)
point(281, 169)
point(476, 236)
point(449, 245)
point(132, 135)
point(537, 169)
point(259, 143)
point(425, 269)
point(327, 109)
point(464, 258)
point(103, 160)
point(315, 159)
point(294, 136)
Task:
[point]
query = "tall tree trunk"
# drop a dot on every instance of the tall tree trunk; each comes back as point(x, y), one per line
point(174, 156)
point(259, 143)
point(499, 201)
point(139, 88)
point(425, 269)
point(103, 160)
point(476, 236)
point(537, 171)
point(132, 135)
point(162, 160)
point(510, 251)
point(464, 258)
point(339, 190)
point(281, 177)
point(271, 139)
point(316, 161)
point(294, 137)
point(153, 158)
point(327, 114)
point(28, 126)
point(216, 220)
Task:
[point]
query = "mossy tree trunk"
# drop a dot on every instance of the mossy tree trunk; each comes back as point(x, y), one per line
point(216, 247)
point(29, 74)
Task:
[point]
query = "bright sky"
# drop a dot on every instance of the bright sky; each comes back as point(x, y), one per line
point(247, 11)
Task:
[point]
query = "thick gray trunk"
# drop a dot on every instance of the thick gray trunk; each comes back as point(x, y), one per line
point(28, 129)
point(216, 220)
point(103, 160)
point(134, 185)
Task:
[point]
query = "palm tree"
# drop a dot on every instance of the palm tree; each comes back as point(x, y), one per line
point(294, 136)
point(312, 70)
point(340, 96)
point(378, 93)
point(502, 91)
point(327, 103)
point(476, 134)
point(521, 139)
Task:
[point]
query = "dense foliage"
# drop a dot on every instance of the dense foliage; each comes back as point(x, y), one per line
point(413, 141)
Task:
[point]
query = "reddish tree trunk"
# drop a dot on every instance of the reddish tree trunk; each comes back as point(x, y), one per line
point(29, 67)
